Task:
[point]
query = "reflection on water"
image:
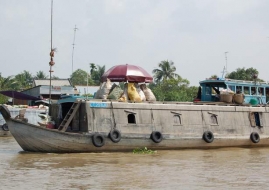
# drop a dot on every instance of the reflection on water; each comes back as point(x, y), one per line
point(187, 169)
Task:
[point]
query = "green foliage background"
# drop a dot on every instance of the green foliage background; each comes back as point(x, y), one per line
point(167, 86)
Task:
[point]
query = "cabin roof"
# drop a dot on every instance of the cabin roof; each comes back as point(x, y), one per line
point(233, 82)
point(54, 82)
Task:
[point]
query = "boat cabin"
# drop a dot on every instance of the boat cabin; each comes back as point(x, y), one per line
point(252, 90)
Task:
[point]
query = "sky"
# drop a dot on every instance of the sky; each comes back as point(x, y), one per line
point(194, 34)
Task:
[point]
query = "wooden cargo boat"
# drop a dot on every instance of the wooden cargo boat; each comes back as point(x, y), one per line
point(103, 126)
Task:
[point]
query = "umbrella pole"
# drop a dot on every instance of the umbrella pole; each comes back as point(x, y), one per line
point(13, 98)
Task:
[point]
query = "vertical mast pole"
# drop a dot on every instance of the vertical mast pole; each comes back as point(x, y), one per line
point(51, 17)
point(51, 63)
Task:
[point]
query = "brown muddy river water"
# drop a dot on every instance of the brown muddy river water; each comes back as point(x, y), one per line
point(237, 168)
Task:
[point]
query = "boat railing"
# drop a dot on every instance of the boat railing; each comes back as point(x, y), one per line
point(243, 81)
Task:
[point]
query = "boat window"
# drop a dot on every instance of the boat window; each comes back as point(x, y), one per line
point(267, 94)
point(261, 91)
point(215, 90)
point(255, 119)
point(131, 118)
point(246, 90)
point(253, 90)
point(208, 90)
point(214, 119)
point(231, 87)
point(239, 89)
point(177, 119)
point(260, 119)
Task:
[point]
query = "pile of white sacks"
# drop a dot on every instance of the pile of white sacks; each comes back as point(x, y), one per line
point(131, 92)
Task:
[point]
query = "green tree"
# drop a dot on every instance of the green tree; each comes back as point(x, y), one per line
point(97, 74)
point(6, 83)
point(93, 67)
point(79, 77)
point(192, 92)
point(166, 71)
point(40, 75)
point(213, 76)
point(244, 74)
point(54, 77)
point(174, 89)
point(24, 80)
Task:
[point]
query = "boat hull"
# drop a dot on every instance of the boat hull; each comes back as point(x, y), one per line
point(155, 126)
point(37, 139)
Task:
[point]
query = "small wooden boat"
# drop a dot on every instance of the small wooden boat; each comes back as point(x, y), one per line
point(103, 126)
point(19, 113)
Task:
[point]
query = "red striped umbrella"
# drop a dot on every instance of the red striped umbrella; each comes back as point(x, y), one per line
point(124, 73)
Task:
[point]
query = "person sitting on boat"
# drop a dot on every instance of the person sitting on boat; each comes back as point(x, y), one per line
point(217, 95)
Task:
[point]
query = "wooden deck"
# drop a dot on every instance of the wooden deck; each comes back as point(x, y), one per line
point(186, 103)
point(221, 104)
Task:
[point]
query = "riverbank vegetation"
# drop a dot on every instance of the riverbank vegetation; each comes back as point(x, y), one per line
point(144, 150)
point(167, 85)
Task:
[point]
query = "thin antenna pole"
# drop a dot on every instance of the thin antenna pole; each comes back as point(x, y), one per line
point(75, 29)
point(223, 72)
point(226, 61)
point(51, 59)
point(51, 24)
point(51, 63)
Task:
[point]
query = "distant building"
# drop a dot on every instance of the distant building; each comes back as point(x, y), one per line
point(41, 89)
point(87, 89)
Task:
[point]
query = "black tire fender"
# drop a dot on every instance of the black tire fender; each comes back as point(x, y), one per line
point(255, 137)
point(208, 136)
point(156, 136)
point(115, 135)
point(5, 112)
point(98, 140)
point(5, 127)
